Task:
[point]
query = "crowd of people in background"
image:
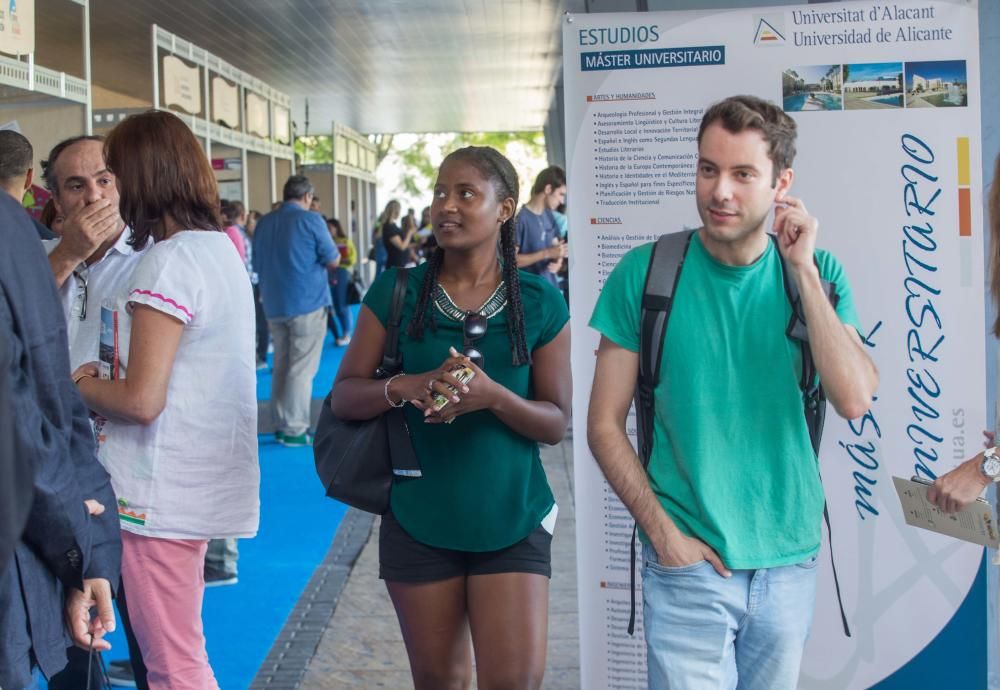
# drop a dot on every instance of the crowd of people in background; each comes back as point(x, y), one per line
point(541, 233)
point(157, 305)
point(143, 330)
point(136, 312)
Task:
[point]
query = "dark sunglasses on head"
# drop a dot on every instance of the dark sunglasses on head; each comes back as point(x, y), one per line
point(473, 328)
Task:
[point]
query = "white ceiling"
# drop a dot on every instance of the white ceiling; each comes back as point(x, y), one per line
point(376, 65)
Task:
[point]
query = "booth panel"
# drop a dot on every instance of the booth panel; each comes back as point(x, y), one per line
point(357, 201)
point(259, 182)
point(45, 123)
point(106, 99)
point(322, 180)
point(342, 196)
point(228, 169)
point(282, 171)
point(59, 36)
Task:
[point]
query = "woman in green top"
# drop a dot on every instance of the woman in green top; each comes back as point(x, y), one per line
point(466, 547)
point(340, 320)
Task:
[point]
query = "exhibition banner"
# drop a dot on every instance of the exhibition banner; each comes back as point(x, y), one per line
point(181, 85)
point(258, 120)
point(225, 103)
point(887, 103)
point(282, 130)
point(17, 27)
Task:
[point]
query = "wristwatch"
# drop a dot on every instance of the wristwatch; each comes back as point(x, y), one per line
point(991, 465)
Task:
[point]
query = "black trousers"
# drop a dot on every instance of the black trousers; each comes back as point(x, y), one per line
point(263, 334)
point(74, 676)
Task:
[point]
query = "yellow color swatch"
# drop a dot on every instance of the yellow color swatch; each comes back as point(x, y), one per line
point(963, 161)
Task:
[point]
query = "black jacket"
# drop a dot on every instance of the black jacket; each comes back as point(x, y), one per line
point(61, 545)
point(15, 473)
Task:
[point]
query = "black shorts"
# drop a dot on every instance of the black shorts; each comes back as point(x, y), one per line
point(403, 559)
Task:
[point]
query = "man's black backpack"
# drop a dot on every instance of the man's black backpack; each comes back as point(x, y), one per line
point(657, 298)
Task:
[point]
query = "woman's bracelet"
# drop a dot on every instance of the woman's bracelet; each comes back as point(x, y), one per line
point(387, 398)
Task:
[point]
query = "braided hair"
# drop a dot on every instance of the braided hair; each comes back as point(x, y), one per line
point(501, 174)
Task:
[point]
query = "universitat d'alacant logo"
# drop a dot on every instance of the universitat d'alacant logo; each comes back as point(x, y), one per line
point(769, 30)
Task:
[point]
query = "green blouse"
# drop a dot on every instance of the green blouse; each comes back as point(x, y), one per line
point(483, 487)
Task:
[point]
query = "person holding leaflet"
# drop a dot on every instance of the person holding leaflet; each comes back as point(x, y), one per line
point(958, 488)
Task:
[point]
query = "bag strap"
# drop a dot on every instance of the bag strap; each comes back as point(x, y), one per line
point(661, 282)
point(392, 361)
point(813, 396)
point(657, 297)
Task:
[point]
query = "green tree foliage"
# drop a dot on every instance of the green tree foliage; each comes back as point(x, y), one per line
point(383, 144)
point(314, 150)
point(535, 141)
point(417, 167)
point(420, 161)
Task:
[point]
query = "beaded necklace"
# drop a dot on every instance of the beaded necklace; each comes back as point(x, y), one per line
point(493, 305)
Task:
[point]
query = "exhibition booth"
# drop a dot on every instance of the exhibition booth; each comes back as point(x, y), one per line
point(45, 77)
point(346, 188)
point(235, 115)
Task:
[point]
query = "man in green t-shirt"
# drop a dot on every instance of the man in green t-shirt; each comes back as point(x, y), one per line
point(731, 506)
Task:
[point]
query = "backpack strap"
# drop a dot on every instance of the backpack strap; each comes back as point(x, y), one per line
point(392, 361)
point(404, 461)
point(813, 396)
point(809, 384)
point(657, 297)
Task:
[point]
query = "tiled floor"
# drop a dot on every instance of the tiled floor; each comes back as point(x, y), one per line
point(362, 646)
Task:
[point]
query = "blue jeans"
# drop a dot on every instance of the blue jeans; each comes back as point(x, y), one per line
point(36, 680)
point(707, 632)
point(340, 321)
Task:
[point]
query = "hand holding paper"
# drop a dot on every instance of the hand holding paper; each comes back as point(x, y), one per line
point(975, 523)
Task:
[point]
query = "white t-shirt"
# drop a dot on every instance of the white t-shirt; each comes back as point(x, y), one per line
point(193, 473)
point(104, 279)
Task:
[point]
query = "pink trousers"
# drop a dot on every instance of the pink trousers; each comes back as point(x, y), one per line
point(165, 581)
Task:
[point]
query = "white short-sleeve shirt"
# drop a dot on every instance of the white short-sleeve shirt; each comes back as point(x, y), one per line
point(87, 288)
point(193, 473)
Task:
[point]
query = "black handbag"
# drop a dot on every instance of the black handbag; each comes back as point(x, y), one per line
point(355, 289)
point(356, 459)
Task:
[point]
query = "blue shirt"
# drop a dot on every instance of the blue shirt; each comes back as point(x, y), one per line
point(291, 249)
point(533, 233)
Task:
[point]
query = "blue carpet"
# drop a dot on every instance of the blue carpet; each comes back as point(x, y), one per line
point(297, 525)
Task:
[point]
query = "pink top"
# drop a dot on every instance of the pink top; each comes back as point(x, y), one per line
point(236, 236)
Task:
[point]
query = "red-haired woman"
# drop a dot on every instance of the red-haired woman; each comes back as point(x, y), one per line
point(180, 442)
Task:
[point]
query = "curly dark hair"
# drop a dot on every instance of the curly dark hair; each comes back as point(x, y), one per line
point(498, 170)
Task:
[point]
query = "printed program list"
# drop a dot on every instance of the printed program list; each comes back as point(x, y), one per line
point(644, 155)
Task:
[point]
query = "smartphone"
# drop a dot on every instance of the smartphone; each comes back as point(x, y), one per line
point(464, 375)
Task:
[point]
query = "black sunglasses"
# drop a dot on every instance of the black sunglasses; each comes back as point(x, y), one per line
point(80, 301)
point(473, 328)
